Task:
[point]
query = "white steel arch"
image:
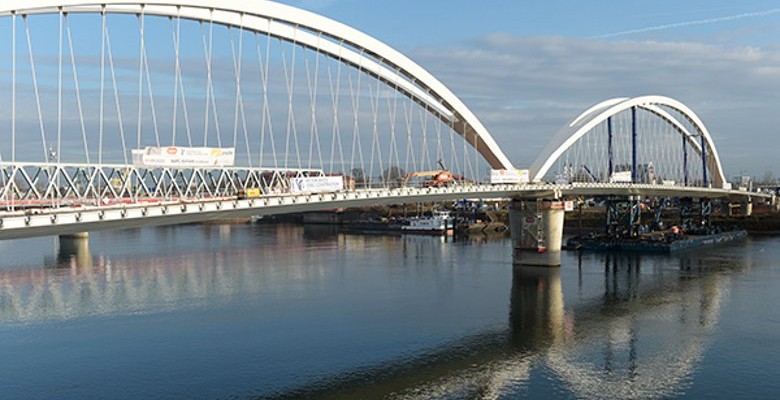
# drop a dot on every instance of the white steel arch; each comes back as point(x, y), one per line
point(306, 29)
point(585, 122)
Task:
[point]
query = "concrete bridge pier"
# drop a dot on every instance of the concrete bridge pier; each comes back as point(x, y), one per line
point(537, 231)
point(747, 207)
point(75, 247)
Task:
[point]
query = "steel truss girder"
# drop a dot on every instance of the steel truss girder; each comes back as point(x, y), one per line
point(43, 185)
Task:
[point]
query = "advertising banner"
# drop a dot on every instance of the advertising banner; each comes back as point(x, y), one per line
point(318, 184)
point(498, 176)
point(184, 157)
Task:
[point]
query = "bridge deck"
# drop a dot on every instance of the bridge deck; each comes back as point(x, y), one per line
point(65, 220)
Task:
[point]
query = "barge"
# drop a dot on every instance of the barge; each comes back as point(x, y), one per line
point(654, 244)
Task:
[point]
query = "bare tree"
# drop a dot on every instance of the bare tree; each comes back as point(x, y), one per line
point(768, 178)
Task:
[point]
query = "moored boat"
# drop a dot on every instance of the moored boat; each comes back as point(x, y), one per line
point(437, 223)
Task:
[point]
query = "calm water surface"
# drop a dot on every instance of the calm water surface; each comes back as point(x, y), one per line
point(245, 312)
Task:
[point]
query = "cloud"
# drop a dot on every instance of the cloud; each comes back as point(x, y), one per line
point(526, 88)
point(706, 21)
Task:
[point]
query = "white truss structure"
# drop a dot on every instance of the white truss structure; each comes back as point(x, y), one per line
point(42, 185)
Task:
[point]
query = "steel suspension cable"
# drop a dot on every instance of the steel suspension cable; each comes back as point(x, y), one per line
point(206, 50)
point(266, 118)
point(439, 149)
point(336, 129)
point(424, 147)
point(141, 22)
point(454, 165)
point(211, 104)
point(312, 89)
point(59, 88)
point(149, 89)
point(392, 111)
point(289, 79)
point(76, 86)
point(356, 145)
point(175, 118)
point(120, 120)
point(13, 87)
point(184, 108)
point(239, 96)
point(102, 81)
point(314, 108)
point(374, 97)
point(35, 86)
point(409, 120)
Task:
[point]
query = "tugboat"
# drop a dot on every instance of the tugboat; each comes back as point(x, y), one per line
point(437, 223)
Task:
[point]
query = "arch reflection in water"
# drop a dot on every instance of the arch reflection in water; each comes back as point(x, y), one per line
point(640, 334)
point(647, 334)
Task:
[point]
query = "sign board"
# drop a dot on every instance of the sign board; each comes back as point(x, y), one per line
point(498, 176)
point(318, 184)
point(727, 185)
point(186, 157)
point(620, 177)
point(668, 182)
point(568, 206)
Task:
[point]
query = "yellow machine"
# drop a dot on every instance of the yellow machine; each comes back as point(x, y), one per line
point(248, 193)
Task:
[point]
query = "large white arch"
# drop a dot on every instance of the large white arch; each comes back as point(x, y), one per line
point(306, 29)
point(599, 113)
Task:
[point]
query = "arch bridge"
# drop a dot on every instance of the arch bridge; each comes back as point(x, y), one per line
point(121, 113)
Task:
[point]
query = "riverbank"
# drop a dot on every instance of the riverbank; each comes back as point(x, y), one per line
point(764, 221)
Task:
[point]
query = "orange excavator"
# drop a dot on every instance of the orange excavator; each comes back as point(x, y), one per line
point(436, 178)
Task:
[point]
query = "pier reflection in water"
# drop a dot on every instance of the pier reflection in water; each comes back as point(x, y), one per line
point(279, 311)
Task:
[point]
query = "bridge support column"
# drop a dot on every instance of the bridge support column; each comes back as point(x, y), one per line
point(747, 207)
point(537, 231)
point(75, 247)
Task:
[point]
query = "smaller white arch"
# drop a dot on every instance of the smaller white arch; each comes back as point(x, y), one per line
point(588, 120)
point(600, 106)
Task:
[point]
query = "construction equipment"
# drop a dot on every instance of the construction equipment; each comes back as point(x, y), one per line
point(436, 178)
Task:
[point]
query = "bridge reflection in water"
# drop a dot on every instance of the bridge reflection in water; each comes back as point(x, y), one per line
point(636, 327)
point(643, 336)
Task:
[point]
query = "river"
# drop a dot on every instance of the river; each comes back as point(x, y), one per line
point(279, 311)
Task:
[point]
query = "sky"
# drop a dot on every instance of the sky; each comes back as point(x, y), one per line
point(527, 67)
